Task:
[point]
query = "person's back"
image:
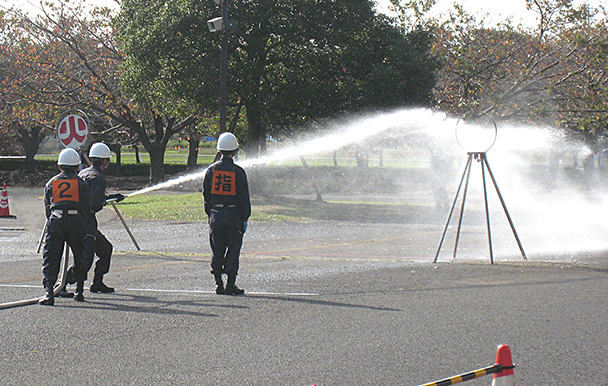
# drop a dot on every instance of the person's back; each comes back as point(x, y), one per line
point(66, 199)
point(97, 243)
point(63, 191)
point(96, 181)
point(227, 185)
point(228, 207)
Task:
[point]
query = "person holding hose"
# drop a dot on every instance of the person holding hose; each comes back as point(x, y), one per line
point(96, 242)
point(66, 201)
point(228, 207)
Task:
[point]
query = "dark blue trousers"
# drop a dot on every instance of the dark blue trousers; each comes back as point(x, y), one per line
point(70, 230)
point(226, 238)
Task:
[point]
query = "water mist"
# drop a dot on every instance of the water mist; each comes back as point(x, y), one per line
point(556, 207)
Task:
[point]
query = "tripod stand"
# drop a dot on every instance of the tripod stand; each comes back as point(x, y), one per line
point(480, 157)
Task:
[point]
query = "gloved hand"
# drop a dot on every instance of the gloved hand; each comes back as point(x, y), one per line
point(116, 197)
point(244, 227)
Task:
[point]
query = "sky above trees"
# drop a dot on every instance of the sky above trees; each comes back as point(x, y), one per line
point(497, 10)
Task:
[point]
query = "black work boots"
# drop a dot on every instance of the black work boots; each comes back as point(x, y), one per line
point(99, 286)
point(49, 298)
point(64, 293)
point(230, 289)
point(219, 285)
point(79, 294)
point(233, 290)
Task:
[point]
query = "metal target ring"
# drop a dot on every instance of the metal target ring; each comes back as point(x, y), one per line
point(476, 132)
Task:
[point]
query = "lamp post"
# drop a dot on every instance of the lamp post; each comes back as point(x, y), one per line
point(220, 24)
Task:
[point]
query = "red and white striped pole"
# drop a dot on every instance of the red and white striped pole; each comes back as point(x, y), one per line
point(505, 377)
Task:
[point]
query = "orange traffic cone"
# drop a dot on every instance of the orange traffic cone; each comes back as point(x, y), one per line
point(506, 377)
point(4, 211)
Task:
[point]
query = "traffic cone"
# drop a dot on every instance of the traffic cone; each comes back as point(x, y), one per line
point(505, 377)
point(4, 211)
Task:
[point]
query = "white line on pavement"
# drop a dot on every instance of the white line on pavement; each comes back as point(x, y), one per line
point(181, 291)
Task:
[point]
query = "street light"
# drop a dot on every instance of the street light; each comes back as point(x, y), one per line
point(215, 25)
point(220, 24)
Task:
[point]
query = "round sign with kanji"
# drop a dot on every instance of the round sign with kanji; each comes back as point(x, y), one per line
point(73, 131)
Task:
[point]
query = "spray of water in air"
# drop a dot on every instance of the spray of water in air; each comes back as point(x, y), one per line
point(352, 132)
point(538, 169)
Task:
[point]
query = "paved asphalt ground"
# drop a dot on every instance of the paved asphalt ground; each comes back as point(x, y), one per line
point(327, 304)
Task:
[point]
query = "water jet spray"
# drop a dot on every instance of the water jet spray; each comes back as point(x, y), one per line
point(354, 131)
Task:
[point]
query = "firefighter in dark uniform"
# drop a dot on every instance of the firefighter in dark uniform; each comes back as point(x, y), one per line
point(96, 243)
point(66, 199)
point(228, 207)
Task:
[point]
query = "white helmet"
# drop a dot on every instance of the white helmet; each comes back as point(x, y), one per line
point(99, 150)
point(68, 157)
point(227, 141)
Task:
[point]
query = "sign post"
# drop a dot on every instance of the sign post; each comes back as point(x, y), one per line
point(73, 131)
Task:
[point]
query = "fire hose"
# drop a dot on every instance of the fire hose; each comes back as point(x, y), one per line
point(58, 287)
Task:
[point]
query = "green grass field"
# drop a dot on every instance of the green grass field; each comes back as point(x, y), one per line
point(189, 207)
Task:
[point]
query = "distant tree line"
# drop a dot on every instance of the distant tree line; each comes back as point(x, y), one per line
point(151, 69)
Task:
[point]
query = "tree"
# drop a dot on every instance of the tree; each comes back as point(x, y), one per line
point(551, 74)
point(297, 62)
point(290, 61)
point(24, 120)
point(555, 16)
point(579, 91)
point(166, 67)
point(169, 60)
point(83, 71)
point(491, 70)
